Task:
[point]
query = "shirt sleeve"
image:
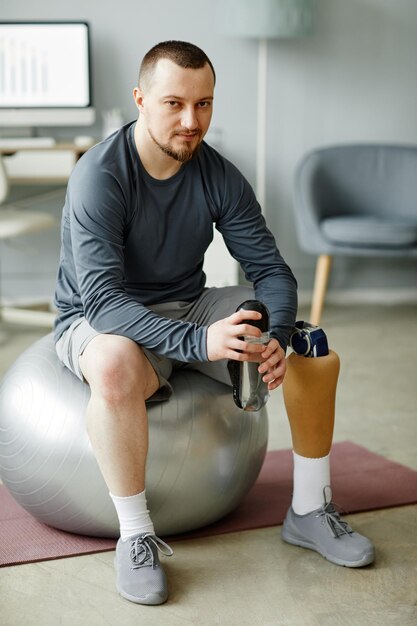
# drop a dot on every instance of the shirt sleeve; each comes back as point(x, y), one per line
point(252, 244)
point(97, 221)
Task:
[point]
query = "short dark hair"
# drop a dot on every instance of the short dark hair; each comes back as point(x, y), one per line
point(182, 53)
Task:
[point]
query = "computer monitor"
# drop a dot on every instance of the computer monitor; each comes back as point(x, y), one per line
point(45, 74)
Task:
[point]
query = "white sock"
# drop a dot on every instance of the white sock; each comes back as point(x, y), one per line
point(133, 515)
point(311, 476)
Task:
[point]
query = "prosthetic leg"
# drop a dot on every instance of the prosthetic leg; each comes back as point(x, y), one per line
point(309, 394)
point(309, 390)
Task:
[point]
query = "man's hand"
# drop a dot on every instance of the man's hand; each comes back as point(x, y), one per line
point(225, 338)
point(274, 364)
point(224, 341)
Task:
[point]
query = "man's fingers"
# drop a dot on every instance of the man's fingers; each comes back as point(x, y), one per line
point(225, 338)
point(241, 315)
point(251, 348)
point(275, 377)
point(269, 363)
point(275, 383)
point(238, 355)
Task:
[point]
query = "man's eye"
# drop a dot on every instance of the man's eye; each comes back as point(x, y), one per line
point(204, 105)
point(172, 103)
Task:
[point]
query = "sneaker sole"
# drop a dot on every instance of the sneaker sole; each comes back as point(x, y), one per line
point(367, 558)
point(151, 599)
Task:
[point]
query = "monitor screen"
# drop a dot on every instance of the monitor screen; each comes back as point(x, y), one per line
point(44, 65)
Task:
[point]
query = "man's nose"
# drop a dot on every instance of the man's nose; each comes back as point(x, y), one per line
point(189, 118)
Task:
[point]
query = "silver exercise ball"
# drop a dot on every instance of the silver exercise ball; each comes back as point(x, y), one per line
point(204, 452)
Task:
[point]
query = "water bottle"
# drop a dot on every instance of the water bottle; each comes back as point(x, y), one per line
point(250, 392)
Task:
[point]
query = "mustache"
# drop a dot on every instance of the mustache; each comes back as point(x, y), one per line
point(198, 132)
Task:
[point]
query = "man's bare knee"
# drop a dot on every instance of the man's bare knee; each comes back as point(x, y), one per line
point(116, 367)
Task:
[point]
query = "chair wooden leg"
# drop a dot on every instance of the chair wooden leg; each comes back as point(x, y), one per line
point(323, 266)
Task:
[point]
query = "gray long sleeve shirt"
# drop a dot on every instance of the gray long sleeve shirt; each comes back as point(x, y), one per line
point(129, 240)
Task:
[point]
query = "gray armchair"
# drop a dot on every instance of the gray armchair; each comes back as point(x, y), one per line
point(355, 200)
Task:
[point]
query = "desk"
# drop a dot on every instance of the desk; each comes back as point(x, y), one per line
point(41, 165)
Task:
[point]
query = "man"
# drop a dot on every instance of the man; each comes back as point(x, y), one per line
point(132, 302)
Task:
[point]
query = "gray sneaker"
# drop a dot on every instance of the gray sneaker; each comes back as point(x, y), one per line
point(325, 532)
point(139, 575)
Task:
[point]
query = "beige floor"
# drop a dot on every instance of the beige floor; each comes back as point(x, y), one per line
point(253, 578)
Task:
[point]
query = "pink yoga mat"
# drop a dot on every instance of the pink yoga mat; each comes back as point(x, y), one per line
point(361, 481)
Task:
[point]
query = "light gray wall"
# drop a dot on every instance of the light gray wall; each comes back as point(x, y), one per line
point(353, 79)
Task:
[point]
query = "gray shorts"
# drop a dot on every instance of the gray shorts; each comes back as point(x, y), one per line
point(212, 305)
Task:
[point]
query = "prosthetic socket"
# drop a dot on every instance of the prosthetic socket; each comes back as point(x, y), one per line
point(250, 393)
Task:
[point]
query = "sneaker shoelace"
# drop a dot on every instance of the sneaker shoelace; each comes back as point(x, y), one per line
point(335, 524)
point(142, 554)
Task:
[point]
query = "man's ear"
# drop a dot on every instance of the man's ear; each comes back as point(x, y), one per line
point(138, 97)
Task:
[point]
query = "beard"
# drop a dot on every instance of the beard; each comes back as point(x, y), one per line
point(184, 154)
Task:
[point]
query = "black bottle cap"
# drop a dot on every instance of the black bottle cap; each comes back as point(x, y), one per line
point(256, 305)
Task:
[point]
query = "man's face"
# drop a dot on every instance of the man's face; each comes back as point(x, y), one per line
point(176, 106)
